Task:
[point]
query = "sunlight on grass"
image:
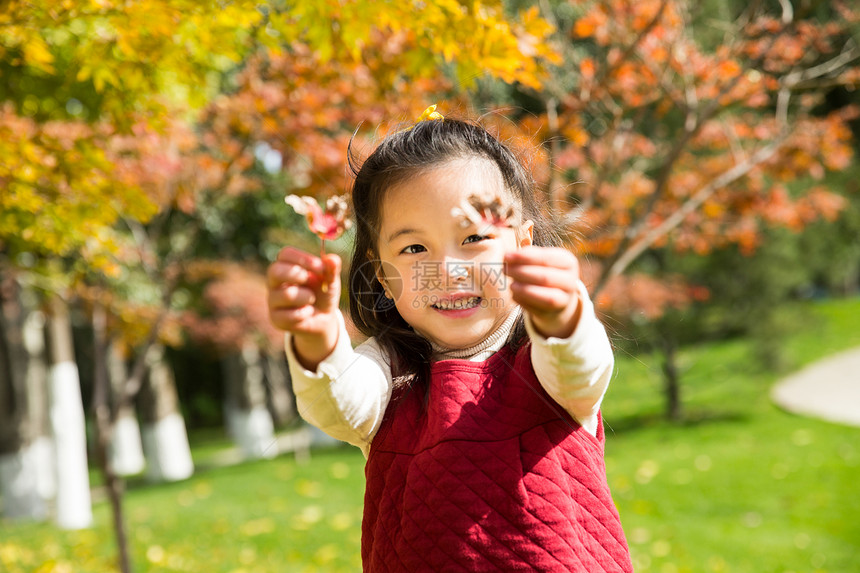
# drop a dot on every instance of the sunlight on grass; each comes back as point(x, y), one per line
point(738, 486)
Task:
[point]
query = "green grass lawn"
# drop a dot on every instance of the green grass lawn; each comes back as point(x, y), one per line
point(740, 486)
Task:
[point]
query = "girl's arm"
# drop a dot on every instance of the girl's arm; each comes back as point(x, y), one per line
point(575, 371)
point(347, 393)
point(571, 353)
point(343, 392)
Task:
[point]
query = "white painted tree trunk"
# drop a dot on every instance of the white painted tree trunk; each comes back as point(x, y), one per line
point(249, 421)
point(126, 447)
point(19, 485)
point(168, 456)
point(253, 432)
point(42, 447)
point(27, 482)
point(165, 441)
point(74, 505)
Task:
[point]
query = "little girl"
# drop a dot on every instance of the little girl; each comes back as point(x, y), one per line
point(476, 398)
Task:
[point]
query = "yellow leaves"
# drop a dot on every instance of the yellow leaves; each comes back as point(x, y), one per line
point(257, 527)
point(103, 77)
point(11, 554)
point(38, 54)
point(132, 53)
point(430, 114)
point(308, 517)
point(339, 470)
point(475, 36)
point(308, 488)
point(58, 192)
point(341, 521)
point(155, 554)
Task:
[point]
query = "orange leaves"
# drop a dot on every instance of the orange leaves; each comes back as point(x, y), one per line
point(620, 21)
point(235, 310)
point(594, 24)
point(779, 208)
point(59, 188)
point(587, 68)
point(306, 108)
point(641, 296)
point(728, 70)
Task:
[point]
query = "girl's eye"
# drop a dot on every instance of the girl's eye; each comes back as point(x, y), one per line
point(412, 249)
point(476, 238)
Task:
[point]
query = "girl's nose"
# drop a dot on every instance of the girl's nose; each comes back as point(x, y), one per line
point(460, 273)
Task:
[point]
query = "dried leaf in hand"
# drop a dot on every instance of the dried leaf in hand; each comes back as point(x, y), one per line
point(485, 210)
point(327, 225)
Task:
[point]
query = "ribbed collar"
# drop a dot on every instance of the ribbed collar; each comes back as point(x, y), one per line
point(484, 349)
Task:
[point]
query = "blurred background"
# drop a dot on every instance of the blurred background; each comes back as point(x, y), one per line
point(700, 157)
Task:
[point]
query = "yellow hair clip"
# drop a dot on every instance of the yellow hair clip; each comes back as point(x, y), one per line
point(430, 114)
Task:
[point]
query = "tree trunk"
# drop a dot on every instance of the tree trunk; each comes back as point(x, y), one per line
point(126, 448)
point(74, 506)
point(165, 441)
point(104, 431)
point(671, 379)
point(279, 390)
point(23, 489)
point(42, 447)
point(249, 422)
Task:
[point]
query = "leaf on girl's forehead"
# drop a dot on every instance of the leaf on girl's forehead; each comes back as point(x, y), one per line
point(327, 225)
point(485, 210)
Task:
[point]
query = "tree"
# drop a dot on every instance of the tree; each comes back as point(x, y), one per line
point(666, 131)
point(86, 77)
point(235, 322)
point(26, 472)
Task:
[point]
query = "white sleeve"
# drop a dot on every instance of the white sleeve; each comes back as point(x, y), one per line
point(347, 395)
point(575, 371)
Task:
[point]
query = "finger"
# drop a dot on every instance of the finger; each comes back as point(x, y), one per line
point(292, 296)
point(280, 273)
point(543, 256)
point(332, 265)
point(564, 279)
point(540, 299)
point(301, 258)
point(291, 319)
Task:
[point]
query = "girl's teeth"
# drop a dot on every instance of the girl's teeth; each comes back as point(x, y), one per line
point(457, 304)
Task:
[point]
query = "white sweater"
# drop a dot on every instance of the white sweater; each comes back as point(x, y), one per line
point(347, 395)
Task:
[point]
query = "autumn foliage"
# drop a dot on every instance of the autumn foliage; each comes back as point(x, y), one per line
point(651, 133)
point(657, 138)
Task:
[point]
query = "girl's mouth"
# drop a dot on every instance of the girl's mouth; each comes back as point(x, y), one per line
point(463, 303)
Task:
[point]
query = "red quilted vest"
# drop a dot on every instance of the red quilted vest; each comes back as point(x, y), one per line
point(488, 473)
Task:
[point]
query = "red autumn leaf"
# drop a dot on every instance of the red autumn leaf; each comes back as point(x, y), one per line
point(327, 225)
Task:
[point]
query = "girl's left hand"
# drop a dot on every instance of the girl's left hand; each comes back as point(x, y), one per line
point(544, 282)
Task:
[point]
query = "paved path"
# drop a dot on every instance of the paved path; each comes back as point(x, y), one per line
point(827, 389)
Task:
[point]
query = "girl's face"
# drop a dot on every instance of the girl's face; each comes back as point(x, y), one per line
point(447, 281)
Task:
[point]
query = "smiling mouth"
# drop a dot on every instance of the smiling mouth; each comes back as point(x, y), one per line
point(457, 304)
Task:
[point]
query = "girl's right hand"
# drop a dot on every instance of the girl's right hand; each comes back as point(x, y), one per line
point(304, 291)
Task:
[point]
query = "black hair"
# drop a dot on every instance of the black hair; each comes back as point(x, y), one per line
point(398, 157)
